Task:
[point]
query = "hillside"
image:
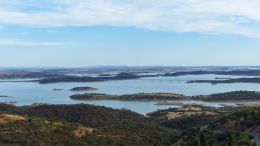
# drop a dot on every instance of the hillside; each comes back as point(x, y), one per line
point(115, 127)
point(94, 125)
point(214, 127)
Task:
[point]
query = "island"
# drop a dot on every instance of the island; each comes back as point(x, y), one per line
point(229, 96)
point(119, 76)
point(139, 96)
point(104, 75)
point(3, 96)
point(228, 81)
point(57, 89)
point(126, 76)
point(235, 72)
point(83, 89)
point(60, 75)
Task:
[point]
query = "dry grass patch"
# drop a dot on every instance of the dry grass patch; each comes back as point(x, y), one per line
point(83, 131)
point(5, 118)
point(172, 115)
point(251, 105)
point(189, 111)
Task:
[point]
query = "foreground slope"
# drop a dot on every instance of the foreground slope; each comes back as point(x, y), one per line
point(107, 126)
point(94, 125)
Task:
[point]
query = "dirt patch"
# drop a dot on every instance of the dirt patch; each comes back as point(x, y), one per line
point(251, 105)
point(190, 109)
point(172, 115)
point(5, 118)
point(83, 131)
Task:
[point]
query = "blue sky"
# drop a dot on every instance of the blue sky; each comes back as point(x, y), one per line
point(77, 33)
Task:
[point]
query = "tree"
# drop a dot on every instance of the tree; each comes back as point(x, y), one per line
point(231, 141)
point(197, 142)
point(204, 140)
point(157, 143)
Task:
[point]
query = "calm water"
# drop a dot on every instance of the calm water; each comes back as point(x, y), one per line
point(26, 93)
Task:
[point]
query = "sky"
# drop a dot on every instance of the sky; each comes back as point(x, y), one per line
point(79, 33)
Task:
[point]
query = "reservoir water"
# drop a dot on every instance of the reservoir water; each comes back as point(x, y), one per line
point(26, 93)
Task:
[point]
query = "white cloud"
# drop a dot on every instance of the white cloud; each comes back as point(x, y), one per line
point(204, 16)
point(14, 42)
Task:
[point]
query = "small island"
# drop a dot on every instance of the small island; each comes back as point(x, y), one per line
point(83, 89)
point(92, 96)
point(3, 96)
point(56, 89)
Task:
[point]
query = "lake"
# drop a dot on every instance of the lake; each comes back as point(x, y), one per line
point(26, 93)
